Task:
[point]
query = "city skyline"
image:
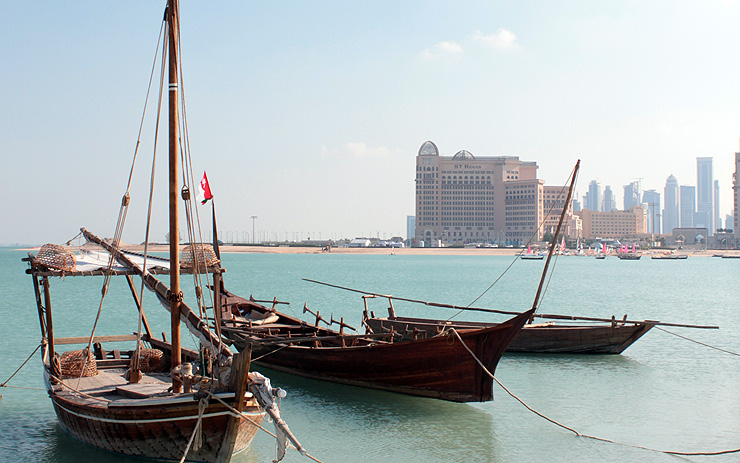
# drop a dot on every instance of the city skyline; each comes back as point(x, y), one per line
point(309, 116)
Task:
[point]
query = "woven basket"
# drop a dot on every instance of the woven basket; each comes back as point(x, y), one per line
point(152, 361)
point(73, 364)
point(57, 257)
point(200, 254)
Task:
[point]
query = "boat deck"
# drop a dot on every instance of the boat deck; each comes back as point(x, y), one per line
point(111, 386)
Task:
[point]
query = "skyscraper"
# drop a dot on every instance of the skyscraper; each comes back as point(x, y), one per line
point(717, 218)
point(593, 197)
point(704, 194)
point(687, 205)
point(651, 199)
point(671, 211)
point(609, 202)
point(631, 195)
point(736, 197)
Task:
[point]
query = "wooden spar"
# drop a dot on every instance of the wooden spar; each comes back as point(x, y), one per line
point(258, 339)
point(217, 282)
point(175, 294)
point(508, 312)
point(144, 320)
point(49, 324)
point(557, 233)
point(238, 385)
point(194, 322)
point(39, 306)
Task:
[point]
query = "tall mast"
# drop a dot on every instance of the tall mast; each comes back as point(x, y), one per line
point(175, 294)
point(557, 234)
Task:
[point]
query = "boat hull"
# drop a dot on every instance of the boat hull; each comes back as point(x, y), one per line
point(539, 339)
point(439, 367)
point(160, 432)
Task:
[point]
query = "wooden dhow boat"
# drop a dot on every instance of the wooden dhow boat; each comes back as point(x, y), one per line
point(590, 336)
point(102, 398)
point(156, 399)
point(438, 366)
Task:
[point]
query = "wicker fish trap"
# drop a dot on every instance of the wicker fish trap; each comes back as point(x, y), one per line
point(200, 255)
point(152, 361)
point(57, 257)
point(73, 365)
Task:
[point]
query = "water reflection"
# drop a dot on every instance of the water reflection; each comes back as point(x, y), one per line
point(377, 424)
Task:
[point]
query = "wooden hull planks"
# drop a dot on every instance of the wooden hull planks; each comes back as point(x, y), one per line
point(439, 367)
point(540, 339)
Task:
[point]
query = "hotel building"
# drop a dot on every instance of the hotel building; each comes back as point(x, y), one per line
point(614, 224)
point(475, 199)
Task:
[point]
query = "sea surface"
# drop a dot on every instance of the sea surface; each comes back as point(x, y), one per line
point(663, 393)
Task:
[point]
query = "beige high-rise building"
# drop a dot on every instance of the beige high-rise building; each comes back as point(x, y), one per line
point(614, 224)
point(554, 201)
point(476, 199)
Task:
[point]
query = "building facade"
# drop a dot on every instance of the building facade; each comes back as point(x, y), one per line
point(736, 197)
point(717, 218)
point(610, 203)
point(593, 197)
point(615, 224)
point(687, 205)
point(469, 199)
point(651, 201)
point(704, 194)
point(671, 211)
point(631, 195)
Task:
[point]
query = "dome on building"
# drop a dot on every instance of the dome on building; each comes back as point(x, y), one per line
point(463, 154)
point(428, 149)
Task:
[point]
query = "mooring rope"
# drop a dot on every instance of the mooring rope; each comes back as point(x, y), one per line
point(202, 404)
point(697, 342)
point(5, 383)
point(234, 410)
point(670, 452)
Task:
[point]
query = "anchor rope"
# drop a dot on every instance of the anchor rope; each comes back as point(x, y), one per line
point(202, 404)
point(234, 410)
point(697, 342)
point(5, 383)
point(515, 397)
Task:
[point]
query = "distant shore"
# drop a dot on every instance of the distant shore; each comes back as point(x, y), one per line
point(228, 248)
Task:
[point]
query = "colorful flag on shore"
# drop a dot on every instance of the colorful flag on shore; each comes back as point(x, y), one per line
point(205, 190)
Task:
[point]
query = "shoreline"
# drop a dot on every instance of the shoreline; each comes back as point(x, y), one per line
point(237, 249)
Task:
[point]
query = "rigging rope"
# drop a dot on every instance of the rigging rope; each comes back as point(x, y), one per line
point(246, 417)
point(697, 342)
point(5, 383)
point(518, 255)
point(601, 439)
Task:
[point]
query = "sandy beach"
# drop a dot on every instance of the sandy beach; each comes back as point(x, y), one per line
point(231, 248)
point(411, 251)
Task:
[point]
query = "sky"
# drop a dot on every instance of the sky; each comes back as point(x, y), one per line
point(309, 115)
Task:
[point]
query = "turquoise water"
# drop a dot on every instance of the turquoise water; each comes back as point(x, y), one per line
point(663, 392)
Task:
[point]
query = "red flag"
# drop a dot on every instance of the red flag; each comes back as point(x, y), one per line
point(205, 189)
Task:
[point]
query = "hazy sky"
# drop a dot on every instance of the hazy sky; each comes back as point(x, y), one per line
point(309, 115)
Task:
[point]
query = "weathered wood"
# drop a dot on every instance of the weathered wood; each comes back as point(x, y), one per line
point(135, 295)
point(238, 385)
point(86, 339)
point(49, 322)
point(504, 312)
point(541, 339)
point(438, 367)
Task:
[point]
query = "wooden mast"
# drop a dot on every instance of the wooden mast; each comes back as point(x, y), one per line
point(555, 238)
point(175, 294)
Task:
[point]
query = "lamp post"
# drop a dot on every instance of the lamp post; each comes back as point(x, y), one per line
point(253, 217)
